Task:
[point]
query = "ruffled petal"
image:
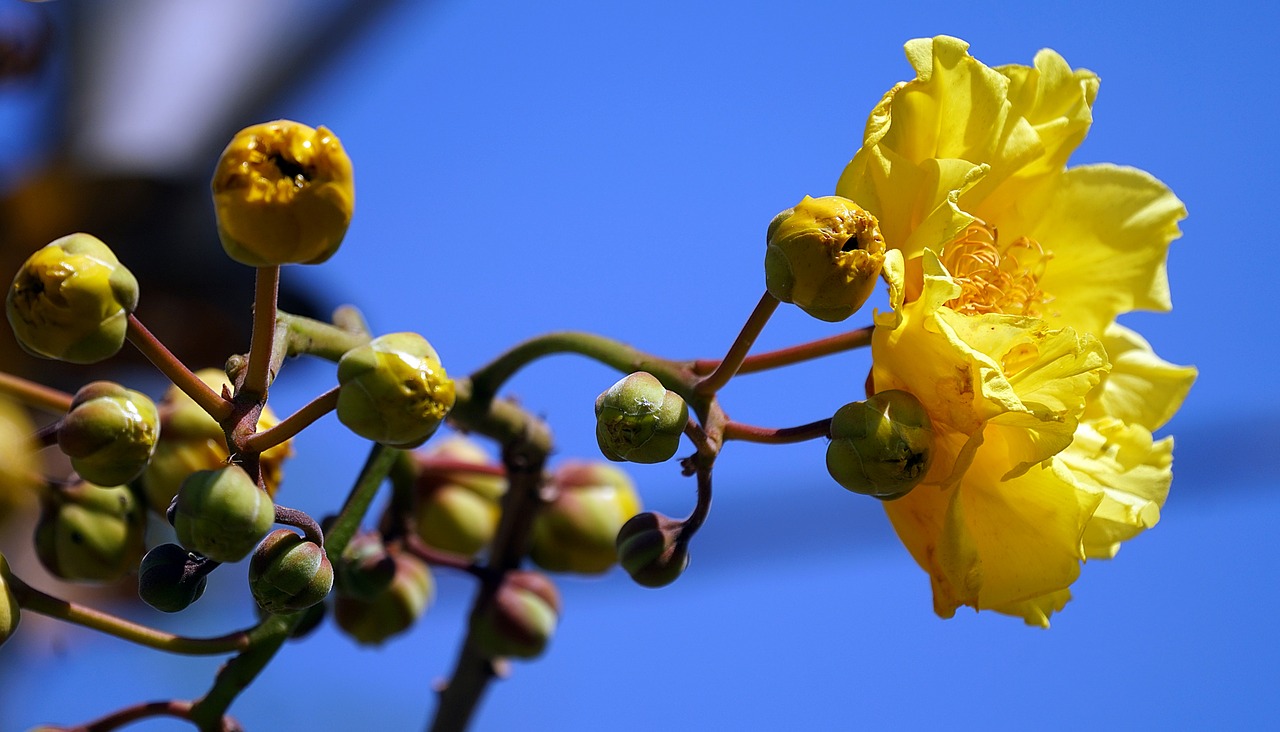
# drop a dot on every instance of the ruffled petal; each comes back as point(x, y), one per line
point(1141, 388)
point(961, 133)
point(1129, 470)
point(992, 543)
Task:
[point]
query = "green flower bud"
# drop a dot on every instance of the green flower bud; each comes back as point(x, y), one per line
point(71, 301)
point(283, 193)
point(170, 578)
point(457, 510)
point(881, 447)
point(575, 531)
point(394, 390)
point(110, 433)
point(824, 255)
point(90, 533)
point(365, 570)
point(190, 440)
point(10, 610)
point(289, 573)
point(648, 549)
point(392, 611)
point(222, 514)
point(520, 620)
point(639, 420)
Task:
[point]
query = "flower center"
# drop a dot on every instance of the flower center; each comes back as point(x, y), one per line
point(995, 278)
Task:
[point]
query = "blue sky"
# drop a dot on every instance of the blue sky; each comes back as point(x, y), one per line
point(526, 167)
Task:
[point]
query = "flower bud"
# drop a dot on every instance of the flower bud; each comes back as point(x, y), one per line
point(169, 579)
point(90, 533)
point(824, 255)
point(576, 530)
point(365, 570)
point(457, 510)
point(10, 610)
point(392, 611)
point(520, 620)
point(190, 440)
point(109, 433)
point(639, 420)
point(881, 447)
point(71, 301)
point(222, 514)
point(648, 549)
point(19, 464)
point(393, 390)
point(283, 194)
point(289, 573)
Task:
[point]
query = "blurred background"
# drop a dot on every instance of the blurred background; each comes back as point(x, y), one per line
point(526, 167)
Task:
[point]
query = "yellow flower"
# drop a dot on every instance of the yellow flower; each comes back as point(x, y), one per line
point(1008, 273)
point(283, 193)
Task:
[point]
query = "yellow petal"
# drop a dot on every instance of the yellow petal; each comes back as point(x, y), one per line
point(1141, 388)
point(1036, 611)
point(1108, 229)
point(1130, 471)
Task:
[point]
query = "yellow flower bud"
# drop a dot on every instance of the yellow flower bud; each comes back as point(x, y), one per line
point(824, 255)
point(394, 390)
point(881, 447)
point(71, 301)
point(284, 194)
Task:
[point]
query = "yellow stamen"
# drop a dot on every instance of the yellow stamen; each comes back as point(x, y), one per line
point(996, 279)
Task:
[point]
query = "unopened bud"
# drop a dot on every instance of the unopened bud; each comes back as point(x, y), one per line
point(109, 433)
point(649, 551)
point(392, 611)
point(575, 531)
point(522, 617)
point(394, 390)
point(71, 301)
point(222, 514)
point(283, 193)
point(824, 255)
point(639, 420)
point(289, 573)
point(90, 533)
point(457, 510)
point(170, 579)
point(881, 447)
point(365, 570)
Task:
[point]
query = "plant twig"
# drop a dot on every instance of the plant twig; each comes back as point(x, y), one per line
point(177, 372)
point(726, 369)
